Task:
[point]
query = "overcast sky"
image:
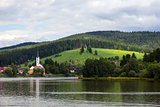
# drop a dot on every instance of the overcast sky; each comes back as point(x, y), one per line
point(44, 20)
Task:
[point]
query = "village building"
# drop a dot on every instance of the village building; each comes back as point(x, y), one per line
point(2, 69)
point(20, 70)
point(73, 68)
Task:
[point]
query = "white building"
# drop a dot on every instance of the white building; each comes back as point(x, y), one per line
point(38, 65)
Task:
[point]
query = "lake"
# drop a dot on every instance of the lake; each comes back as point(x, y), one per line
point(70, 92)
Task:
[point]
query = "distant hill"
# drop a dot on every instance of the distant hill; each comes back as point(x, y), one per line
point(73, 56)
point(19, 45)
point(130, 41)
point(143, 39)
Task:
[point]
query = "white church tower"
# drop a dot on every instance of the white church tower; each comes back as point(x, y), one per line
point(38, 60)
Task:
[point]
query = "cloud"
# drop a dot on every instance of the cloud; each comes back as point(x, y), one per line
point(39, 20)
point(13, 37)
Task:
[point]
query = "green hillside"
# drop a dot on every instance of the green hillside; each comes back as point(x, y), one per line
point(73, 55)
point(129, 41)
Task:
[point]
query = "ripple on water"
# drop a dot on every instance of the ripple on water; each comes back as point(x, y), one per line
point(107, 93)
point(34, 102)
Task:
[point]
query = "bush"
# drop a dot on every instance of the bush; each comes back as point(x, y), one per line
point(132, 73)
point(57, 55)
point(117, 72)
point(125, 68)
point(123, 74)
point(143, 73)
point(38, 71)
point(154, 71)
point(25, 71)
point(141, 66)
point(8, 71)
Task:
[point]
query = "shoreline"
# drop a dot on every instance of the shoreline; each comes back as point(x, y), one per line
point(81, 78)
point(36, 78)
point(115, 78)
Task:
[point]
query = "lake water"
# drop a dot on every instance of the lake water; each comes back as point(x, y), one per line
point(68, 92)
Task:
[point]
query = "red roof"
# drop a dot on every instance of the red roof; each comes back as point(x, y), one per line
point(36, 66)
point(2, 68)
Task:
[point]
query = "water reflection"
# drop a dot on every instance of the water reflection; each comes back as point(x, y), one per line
point(37, 89)
point(41, 92)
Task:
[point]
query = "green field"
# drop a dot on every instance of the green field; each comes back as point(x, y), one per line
point(74, 55)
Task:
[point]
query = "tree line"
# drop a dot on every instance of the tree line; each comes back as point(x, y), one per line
point(53, 67)
point(129, 66)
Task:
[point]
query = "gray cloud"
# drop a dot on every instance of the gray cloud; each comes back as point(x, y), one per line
point(52, 19)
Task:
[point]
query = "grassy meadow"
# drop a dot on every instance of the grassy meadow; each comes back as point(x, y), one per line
point(73, 55)
point(77, 58)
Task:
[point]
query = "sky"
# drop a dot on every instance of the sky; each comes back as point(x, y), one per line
point(46, 20)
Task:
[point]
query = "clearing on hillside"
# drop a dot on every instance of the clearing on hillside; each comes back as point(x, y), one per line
point(76, 57)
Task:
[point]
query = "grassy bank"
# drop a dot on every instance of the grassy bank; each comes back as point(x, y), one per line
point(114, 78)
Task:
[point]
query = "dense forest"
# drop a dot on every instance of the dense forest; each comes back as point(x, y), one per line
point(132, 41)
point(144, 39)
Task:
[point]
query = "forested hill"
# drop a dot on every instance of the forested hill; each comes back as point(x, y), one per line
point(132, 41)
point(19, 45)
point(145, 39)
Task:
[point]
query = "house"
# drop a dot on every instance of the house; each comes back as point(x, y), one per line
point(20, 70)
point(2, 69)
point(73, 68)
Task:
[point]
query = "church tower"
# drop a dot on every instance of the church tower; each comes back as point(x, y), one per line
point(37, 59)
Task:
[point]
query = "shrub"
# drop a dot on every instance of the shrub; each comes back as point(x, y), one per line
point(154, 70)
point(8, 71)
point(141, 66)
point(123, 74)
point(132, 73)
point(117, 72)
point(126, 68)
point(26, 69)
point(143, 73)
point(38, 71)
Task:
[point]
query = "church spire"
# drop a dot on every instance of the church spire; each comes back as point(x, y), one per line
point(37, 52)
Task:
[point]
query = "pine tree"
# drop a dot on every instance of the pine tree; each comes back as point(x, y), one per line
point(123, 61)
point(82, 50)
point(96, 52)
point(133, 55)
point(145, 58)
point(89, 49)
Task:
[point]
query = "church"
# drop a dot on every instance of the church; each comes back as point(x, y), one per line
point(38, 65)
